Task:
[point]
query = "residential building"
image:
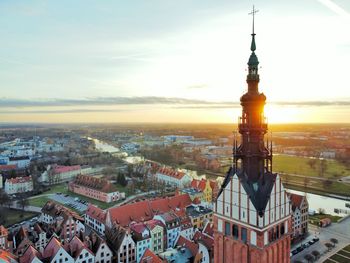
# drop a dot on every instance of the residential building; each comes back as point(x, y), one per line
point(145, 210)
point(95, 218)
point(31, 255)
point(150, 257)
point(96, 188)
point(55, 252)
point(120, 241)
point(60, 220)
point(18, 185)
point(4, 237)
point(56, 174)
point(192, 192)
point(20, 161)
point(142, 237)
point(103, 254)
point(79, 251)
point(7, 257)
point(300, 215)
point(203, 186)
point(173, 177)
point(172, 226)
point(157, 231)
point(199, 215)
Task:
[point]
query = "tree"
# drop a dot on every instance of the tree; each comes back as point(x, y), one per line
point(4, 198)
point(327, 183)
point(121, 180)
point(334, 241)
point(323, 167)
point(309, 258)
point(321, 211)
point(316, 254)
point(312, 163)
point(329, 246)
point(23, 202)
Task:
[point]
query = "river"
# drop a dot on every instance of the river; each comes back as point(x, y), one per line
point(315, 201)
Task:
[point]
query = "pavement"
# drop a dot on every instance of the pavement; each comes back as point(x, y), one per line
point(340, 231)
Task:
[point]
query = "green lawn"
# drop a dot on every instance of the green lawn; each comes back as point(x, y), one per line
point(40, 201)
point(347, 248)
point(16, 216)
point(315, 219)
point(299, 165)
point(339, 258)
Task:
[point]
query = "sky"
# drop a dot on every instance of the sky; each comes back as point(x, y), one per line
point(171, 60)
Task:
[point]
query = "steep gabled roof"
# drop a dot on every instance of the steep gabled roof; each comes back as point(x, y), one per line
point(150, 257)
point(258, 192)
point(184, 242)
point(296, 200)
point(29, 255)
point(96, 213)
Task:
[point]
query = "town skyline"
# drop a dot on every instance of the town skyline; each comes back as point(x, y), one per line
point(166, 62)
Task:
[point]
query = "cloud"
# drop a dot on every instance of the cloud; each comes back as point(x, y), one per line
point(197, 86)
point(24, 106)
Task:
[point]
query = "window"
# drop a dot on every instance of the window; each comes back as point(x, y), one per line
point(235, 231)
point(244, 234)
point(227, 229)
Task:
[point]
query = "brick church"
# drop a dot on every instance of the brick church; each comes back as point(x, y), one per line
point(252, 221)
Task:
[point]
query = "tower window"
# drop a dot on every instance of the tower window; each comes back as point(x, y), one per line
point(244, 234)
point(227, 229)
point(235, 231)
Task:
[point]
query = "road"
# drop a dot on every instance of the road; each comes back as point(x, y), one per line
point(340, 231)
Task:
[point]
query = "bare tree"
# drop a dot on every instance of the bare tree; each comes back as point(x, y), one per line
point(316, 254)
point(334, 241)
point(4, 198)
point(23, 202)
point(329, 246)
point(309, 258)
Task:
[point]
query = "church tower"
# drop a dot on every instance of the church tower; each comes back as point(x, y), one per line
point(252, 221)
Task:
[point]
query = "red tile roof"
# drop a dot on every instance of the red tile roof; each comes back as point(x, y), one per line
point(51, 248)
point(207, 240)
point(63, 169)
point(145, 210)
point(296, 200)
point(8, 167)
point(7, 257)
point(150, 257)
point(91, 182)
point(208, 229)
point(96, 213)
point(199, 184)
point(29, 255)
point(171, 172)
point(184, 242)
point(19, 180)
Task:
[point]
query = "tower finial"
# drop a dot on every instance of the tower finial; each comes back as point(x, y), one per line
point(253, 46)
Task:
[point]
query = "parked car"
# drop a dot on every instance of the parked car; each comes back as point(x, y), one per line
point(316, 239)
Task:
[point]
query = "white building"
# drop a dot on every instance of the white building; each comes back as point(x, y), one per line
point(20, 161)
point(142, 237)
point(95, 218)
point(19, 185)
point(172, 177)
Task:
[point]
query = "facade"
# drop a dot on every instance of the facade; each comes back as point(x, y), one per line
point(20, 161)
point(56, 174)
point(300, 215)
point(96, 188)
point(205, 187)
point(173, 178)
point(199, 215)
point(172, 225)
point(95, 218)
point(252, 214)
point(142, 237)
point(18, 185)
point(156, 229)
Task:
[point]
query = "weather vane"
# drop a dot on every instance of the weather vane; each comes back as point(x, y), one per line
point(253, 14)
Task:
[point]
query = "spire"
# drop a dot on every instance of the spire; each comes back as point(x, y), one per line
point(253, 61)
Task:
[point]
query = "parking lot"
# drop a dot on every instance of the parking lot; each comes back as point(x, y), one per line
point(69, 201)
point(339, 231)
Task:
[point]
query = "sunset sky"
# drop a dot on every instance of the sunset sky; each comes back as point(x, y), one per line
point(171, 60)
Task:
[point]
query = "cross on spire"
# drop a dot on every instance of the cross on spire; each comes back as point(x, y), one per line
point(254, 11)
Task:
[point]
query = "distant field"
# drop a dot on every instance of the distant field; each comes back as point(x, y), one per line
point(299, 165)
